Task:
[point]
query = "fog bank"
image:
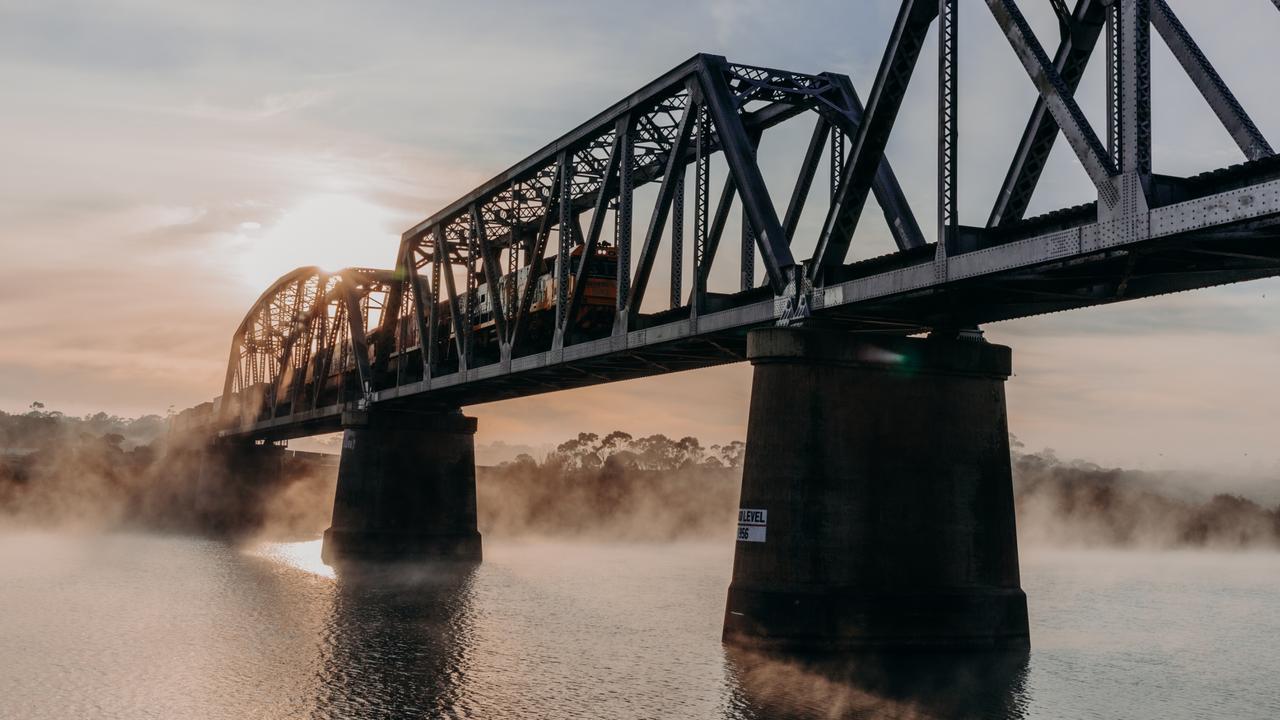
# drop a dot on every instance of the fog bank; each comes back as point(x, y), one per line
point(616, 486)
point(57, 472)
point(1079, 504)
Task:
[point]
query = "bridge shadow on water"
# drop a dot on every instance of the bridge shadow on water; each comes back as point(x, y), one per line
point(395, 642)
point(908, 686)
point(400, 641)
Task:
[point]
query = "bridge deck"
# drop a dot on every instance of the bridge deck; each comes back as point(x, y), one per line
point(1212, 240)
point(456, 324)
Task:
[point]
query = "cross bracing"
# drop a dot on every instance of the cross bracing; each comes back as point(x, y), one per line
point(540, 278)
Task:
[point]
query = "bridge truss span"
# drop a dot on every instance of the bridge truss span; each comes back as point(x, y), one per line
point(666, 134)
point(540, 279)
point(304, 347)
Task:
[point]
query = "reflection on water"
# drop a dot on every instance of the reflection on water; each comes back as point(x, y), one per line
point(397, 635)
point(909, 685)
point(304, 556)
point(141, 626)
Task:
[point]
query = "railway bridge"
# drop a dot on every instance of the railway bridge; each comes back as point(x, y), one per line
point(876, 496)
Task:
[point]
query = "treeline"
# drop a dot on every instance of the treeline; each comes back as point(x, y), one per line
point(102, 472)
point(99, 470)
point(1076, 503)
point(57, 468)
point(39, 428)
point(657, 488)
point(589, 451)
point(616, 485)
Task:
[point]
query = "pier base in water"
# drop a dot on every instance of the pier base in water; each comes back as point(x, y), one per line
point(406, 489)
point(877, 499)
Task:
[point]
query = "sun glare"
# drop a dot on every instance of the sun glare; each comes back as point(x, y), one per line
point(304, 556)
point(331, 231)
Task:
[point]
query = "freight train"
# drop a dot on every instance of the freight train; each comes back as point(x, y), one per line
point(594, 315)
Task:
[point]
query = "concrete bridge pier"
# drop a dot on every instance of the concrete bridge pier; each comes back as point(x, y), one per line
point(406, 489)
point(877, 499)
point(231, 480)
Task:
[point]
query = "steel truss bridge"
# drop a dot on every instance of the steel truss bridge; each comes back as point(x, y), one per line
point(316, 343)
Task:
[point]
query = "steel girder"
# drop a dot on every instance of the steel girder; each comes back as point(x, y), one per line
point(1211, 85)
point(705, 106)
point(308, 349)
point(910, 28)
point(1080, 36)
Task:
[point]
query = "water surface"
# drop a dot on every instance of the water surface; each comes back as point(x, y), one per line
point(163, 627)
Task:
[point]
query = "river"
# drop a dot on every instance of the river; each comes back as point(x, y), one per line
point(142, 626)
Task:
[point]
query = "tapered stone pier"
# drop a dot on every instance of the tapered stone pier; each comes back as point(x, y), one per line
point(877, 500)
point(406, 489)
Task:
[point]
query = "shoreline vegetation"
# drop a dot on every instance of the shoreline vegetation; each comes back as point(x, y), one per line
point(101, 472)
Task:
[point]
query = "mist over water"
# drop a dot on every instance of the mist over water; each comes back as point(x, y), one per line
point(1079, 504)
point(601, 595)
point(107, 473)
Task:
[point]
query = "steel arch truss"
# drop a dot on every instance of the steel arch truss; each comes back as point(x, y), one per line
point(306, 345)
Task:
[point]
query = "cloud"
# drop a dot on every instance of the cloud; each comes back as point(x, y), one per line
point(162, 159)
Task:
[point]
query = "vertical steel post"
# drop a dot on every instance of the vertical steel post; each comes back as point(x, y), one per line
point(445, 268)
point(492, 274)
point(677, 235)
point(433, 317)
point(324, 350)
point(948, 132)
point(622, 233)
point(514, 240)
point(565, 228)
point(420, 308)
point(469, 330)
point(701, 202)
point(837, 160)
point(747, 267)
point(1113, 83)
point(1135, 86)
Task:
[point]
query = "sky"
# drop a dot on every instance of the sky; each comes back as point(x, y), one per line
point(164, 161)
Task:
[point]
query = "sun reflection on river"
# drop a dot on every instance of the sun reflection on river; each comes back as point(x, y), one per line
point(303, 556)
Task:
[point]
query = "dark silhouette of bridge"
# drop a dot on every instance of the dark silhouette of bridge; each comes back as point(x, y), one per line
point(876, 490)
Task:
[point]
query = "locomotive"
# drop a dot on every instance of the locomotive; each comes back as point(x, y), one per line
point(595, 312)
